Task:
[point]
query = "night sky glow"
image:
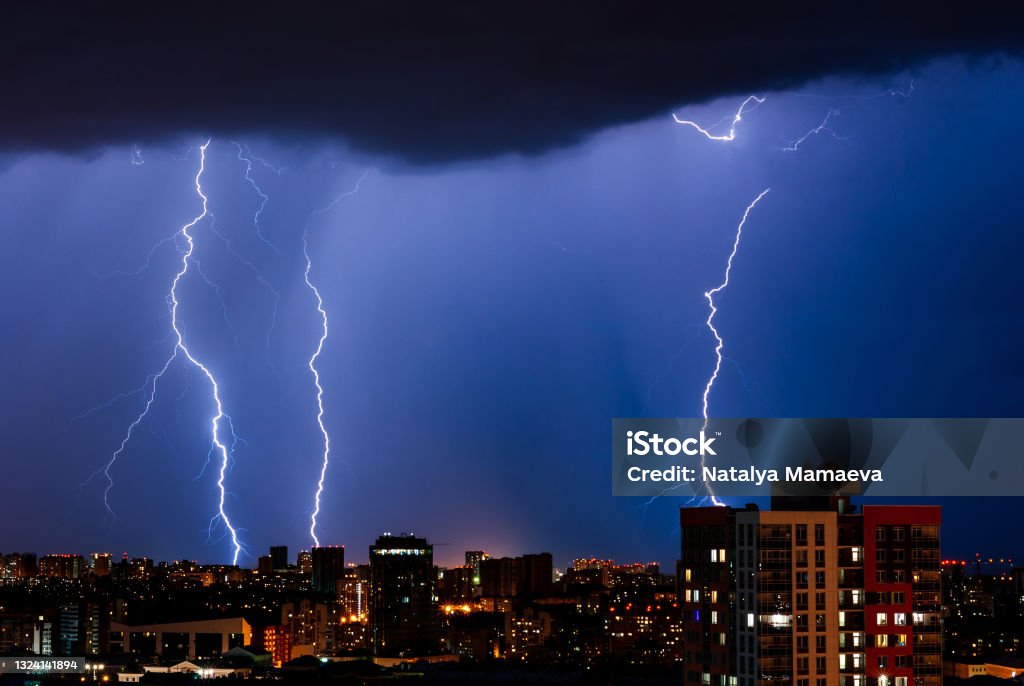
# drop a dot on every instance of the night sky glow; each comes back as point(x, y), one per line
point(489, 316)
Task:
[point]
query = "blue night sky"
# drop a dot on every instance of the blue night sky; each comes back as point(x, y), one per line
point(489, 318)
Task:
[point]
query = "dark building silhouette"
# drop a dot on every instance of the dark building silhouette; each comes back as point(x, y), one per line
point(499, 577)
point(403, 602)
point(535, 574)
point(279, 557)
point(18, 565)
point(457, 585)
point(507, 577)
point(101, 564)
point(328, 568)
point(62, 566)
point(83, 628)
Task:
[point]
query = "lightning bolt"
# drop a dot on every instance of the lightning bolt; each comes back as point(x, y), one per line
point(744, 107)
point(719, 343)
point(105, 469)
point(312, 364)
point(709, 295)
point(249, 158)
point(887, 93)
point(736, 119)
point(214, 387)
point(713, 310)
point(822, 127)
point(751, 103)
point(245, 155)
point(180, 347)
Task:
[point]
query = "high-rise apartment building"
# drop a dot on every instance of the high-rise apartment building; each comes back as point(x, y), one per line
point(403, 607)
point(328, 567)
point(811, 593)
point(279, 558)
point(101, 564)
point(62, 566)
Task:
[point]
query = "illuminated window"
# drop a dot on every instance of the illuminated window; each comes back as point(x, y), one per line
point(880, 619)
point(689, 575)
point(899, 618)
point(881, 641)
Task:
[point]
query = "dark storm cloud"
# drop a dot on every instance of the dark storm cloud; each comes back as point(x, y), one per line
point(437, 82)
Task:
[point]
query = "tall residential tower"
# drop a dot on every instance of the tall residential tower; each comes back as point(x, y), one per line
point(811, 593)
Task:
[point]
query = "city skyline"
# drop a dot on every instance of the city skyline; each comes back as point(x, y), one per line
point(811, 588)
point(953, 546)
point(326, 324)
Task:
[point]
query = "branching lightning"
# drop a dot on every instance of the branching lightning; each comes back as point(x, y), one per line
point(751, 103)
point(217, 444)
point(247, 157)
point(709, 295)
point(312, 364)
point(736, 119)
point(823, 127)
point(215, 389)
point(713, 310)
point(719, 343)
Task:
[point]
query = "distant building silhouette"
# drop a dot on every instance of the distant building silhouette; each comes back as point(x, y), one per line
point(328, 567)
point(403, 602)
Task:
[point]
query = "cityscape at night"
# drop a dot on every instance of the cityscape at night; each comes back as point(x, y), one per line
point(816, 587)
point(592, 342)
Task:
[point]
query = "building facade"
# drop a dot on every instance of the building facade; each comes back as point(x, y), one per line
point(404, 618)
point(811, 593)
point(328, 567)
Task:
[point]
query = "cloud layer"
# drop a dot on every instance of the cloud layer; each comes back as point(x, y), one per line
point(439, 82)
